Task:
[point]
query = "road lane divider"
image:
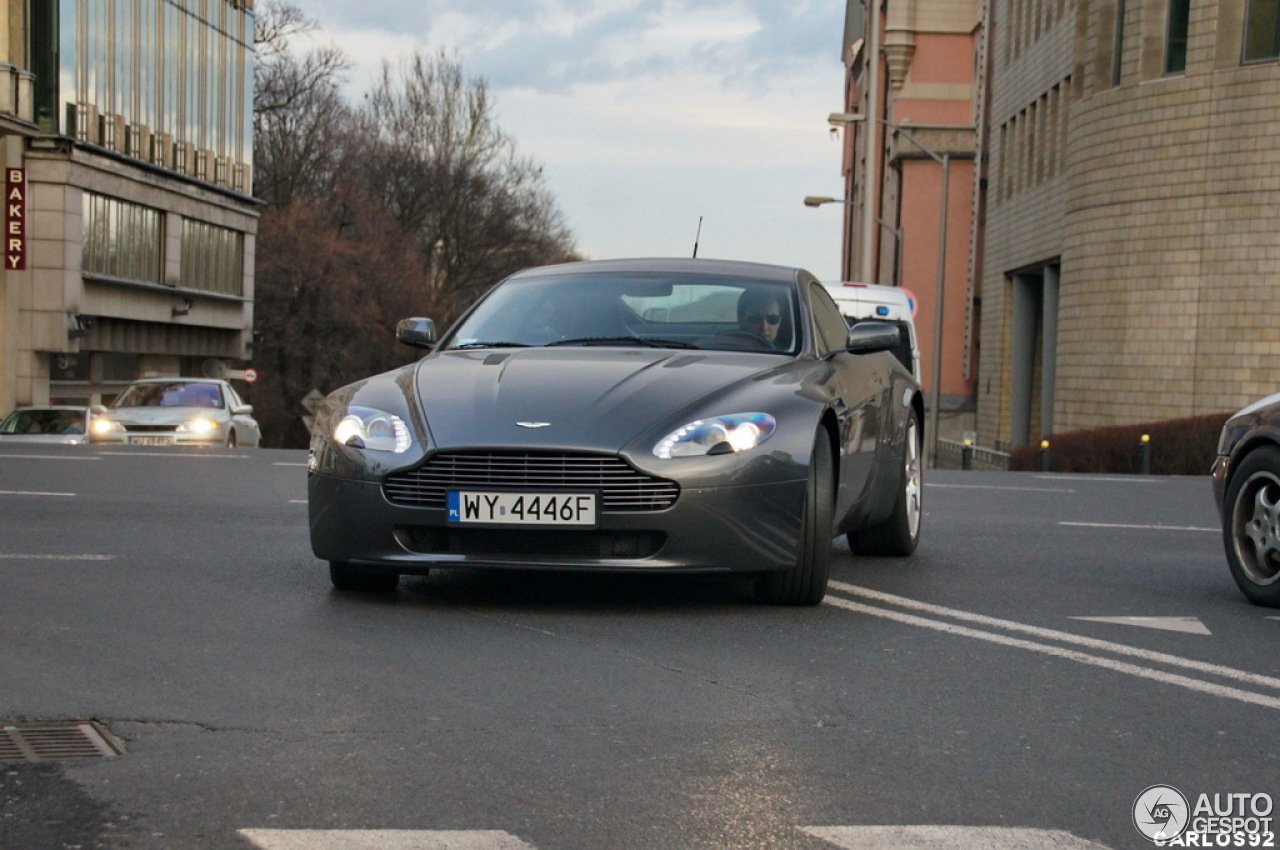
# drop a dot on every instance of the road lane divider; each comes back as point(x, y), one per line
point(1142, 527)
point(32, 493)
point(1060, 637)
point(19, 556)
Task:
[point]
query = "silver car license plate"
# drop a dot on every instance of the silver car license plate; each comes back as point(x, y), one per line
point(489, 508)
point(151, 441)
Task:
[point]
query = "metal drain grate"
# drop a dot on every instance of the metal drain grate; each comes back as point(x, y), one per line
point(32, 742)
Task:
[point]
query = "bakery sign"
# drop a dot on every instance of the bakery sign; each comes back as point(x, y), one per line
point(15, 219)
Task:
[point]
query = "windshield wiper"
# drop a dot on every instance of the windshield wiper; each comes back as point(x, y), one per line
point(490, 345)
point(649, 341)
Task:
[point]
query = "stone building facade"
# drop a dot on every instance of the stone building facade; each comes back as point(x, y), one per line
point(126, 133)
point(911, 118)
point(1131, 247)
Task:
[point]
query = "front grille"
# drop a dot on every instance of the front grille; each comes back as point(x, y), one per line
point(531, 544)
point(151, 429)
point(622, 489)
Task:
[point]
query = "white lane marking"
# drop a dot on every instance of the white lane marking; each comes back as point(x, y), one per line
point(15, 556)
point(1144, 527)
point(297, 501)
point(1088, 478)
point(1068, 654)
point(283, 463)
point(949, 838)
point(1048, 634)
point(930, 484)
point(176, 454)
point(52, 457)
point(1186, 625)
point(383, 839)
point(31, 493)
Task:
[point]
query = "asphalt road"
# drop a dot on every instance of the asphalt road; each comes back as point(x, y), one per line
point(1057, 645)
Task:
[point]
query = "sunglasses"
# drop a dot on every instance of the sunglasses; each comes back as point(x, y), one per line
point(757, 318)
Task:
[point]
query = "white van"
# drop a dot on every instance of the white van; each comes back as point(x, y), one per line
point(892, 304)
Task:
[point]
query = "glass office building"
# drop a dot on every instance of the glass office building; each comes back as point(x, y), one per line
point(127, 128)
point(166, 81)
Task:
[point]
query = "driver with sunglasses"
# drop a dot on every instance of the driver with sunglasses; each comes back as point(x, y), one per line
point(760, 313)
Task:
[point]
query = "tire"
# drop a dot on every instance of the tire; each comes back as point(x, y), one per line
point(806, 583)
point(1251, 526)
point(898, 536)
point(360, 580)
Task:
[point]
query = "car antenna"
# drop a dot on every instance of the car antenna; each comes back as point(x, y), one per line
point(696, 237)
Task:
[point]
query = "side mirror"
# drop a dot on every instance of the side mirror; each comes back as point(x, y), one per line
point(417, 332)
point(869, 337)
point(243, 410)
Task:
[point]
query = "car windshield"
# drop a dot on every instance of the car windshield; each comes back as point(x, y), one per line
point(43, 422)
point(170, 394)
point(663, 310)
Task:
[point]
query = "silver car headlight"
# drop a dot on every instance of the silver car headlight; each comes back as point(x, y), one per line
point(106, 426)
point(717, 435)
point(375, 430)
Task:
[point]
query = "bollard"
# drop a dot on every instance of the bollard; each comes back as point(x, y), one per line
point(1145, 454)
point(966, 455)
point(1044, 455)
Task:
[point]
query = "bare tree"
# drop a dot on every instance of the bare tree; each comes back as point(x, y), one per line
point(455, 181)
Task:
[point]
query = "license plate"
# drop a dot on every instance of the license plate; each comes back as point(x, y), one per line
point(477, 506)
point(151, 441)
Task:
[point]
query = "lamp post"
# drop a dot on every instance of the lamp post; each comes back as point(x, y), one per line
point(943, 159)
point(819, 200)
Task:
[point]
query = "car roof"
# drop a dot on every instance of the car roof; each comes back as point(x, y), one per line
point(674, 265)
point(173, 378)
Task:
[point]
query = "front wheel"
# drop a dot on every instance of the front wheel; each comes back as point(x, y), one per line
point(362, 580)
point(806, 583)
point(1251, 526)
point(899, 535)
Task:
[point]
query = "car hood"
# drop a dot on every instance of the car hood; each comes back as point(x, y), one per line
point(580, 397)
point(162, 415)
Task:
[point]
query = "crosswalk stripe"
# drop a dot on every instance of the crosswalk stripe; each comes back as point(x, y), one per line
point(949, 838)
point(383, 839)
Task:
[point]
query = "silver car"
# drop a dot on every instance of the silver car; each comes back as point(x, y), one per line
point(178, 412)
point(645, 415)
point(58, 423)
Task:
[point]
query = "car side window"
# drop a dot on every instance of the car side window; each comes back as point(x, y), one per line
point(833, 332)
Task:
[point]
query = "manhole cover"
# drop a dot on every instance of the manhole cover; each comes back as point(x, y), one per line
point(45, 741)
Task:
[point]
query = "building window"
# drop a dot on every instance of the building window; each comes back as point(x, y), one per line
point(1175, 49)
point(212, 258)
point(122, 240)
point(1262, 31)
point(1117, 47)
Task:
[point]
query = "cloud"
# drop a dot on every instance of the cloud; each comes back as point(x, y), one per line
point(554, 45)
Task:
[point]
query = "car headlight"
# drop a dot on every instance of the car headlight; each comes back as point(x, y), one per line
point(199, 425)
point(106, 426)
point(717, 435)
point(376, 430)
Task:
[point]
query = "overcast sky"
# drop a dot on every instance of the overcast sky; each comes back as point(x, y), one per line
point(647, 114)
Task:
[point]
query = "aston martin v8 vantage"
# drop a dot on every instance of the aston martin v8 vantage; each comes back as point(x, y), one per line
point(638, 415)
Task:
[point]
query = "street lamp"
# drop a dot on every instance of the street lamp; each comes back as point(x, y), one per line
point(943, 159)
point(819, 200)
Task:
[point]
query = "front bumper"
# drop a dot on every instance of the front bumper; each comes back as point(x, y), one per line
point(741, 528)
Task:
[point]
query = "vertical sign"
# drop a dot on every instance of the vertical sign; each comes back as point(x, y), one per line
point(15, 219)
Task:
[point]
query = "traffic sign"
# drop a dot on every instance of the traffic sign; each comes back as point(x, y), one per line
point(250, 375)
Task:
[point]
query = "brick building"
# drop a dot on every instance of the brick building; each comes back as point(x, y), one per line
point(1123, 247)
point(126, 133)
point(1131, 243)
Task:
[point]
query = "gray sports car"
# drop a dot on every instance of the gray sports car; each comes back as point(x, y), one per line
point(641, 415)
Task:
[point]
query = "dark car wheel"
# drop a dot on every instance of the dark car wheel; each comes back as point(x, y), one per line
point(347, 577)
point(899, 535)
point(806, 584)
point(1251, 526)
